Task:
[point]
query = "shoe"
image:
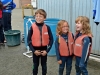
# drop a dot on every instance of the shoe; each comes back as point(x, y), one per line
point(23, 40)
point(5, 41)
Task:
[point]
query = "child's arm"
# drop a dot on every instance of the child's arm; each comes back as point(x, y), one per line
point(30, 32)
point(14, 5)
point(10, 6)
point(85, 51)
point(57, 49)
point(50, 38)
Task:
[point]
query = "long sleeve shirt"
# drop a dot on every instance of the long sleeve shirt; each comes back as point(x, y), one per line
point(86, 45)
point(9, 7)
point(29, 41)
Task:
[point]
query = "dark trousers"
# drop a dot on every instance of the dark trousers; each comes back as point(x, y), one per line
point(81, 67)
point(1, 32)
point(68, 61)
point(7, 21)
point(36, 64)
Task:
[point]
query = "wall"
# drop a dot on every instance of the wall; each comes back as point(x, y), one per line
point(25, 2)
point(70, 10)
point(19, 3)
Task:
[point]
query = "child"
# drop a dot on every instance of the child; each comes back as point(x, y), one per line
point(40, 41)
point(64, 47)
point(7, 15)
point(1, 25)
point(83, 43)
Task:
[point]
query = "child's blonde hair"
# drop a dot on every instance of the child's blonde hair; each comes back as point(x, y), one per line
point(86, 29)
point(59, 26)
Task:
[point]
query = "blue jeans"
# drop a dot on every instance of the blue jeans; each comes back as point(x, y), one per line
point(68, 61)
point(81, 67)
point(36, 64)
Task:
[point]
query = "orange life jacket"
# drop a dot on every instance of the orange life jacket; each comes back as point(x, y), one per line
point(64, 48)
point(39, 39)
point(78, 45)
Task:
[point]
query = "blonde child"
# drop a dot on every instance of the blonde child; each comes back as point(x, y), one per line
point(64, 47)
point(82, 45)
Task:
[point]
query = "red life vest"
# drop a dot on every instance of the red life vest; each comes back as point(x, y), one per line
point(64, 48)
point(0, 13)
point(78, 45)
point(39, 39)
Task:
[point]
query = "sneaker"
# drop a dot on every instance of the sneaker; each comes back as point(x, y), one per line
point(5, 41)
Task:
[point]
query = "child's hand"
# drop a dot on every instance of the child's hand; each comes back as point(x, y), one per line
point(37, 52)
point(43, 53)
point(59, 62)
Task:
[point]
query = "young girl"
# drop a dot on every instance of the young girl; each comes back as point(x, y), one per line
point(64, 47)
point(82, 45)
point(1, 25)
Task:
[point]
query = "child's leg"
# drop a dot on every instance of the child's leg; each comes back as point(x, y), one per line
point(9, 21)
point(83, 62)
point(44, 64)
point(83, 67)
point(1, 33)
point(78, 71)
point(61, 66)
point(69, 65)
point(5, 21)
point(35, 64)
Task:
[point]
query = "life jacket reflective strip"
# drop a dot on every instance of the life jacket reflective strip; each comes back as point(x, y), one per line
point(64, 48)
point(39, 39)
point(78, 46)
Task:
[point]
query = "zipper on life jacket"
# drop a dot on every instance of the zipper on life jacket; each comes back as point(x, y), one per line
point(68, 46)
point(41, 37)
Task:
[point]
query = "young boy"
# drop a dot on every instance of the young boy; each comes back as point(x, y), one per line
point(83, 44)
point(40, 41)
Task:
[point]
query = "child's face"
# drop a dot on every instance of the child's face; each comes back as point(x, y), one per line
point(39, 18)
point(78, 26)
point(65, 28)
